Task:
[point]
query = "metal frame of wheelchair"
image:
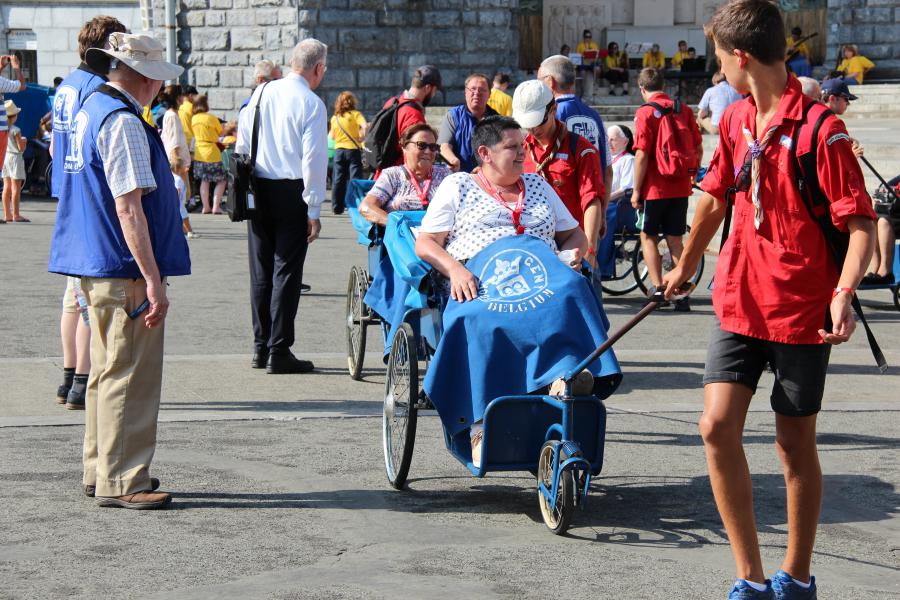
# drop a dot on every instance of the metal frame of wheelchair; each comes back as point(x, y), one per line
point(630, 271)
point(534, 433)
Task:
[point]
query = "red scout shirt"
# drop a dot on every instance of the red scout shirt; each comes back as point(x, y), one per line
point(775, 283)
point(646, 124)
point(577, 179)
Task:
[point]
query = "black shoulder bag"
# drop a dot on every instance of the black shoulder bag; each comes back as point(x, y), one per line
point(241, 202)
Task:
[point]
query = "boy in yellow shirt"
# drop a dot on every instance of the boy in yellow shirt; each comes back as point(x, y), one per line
point(500, 100)
point(854, 66)
point(680, 55)
point(654, 58)
point(589, 51)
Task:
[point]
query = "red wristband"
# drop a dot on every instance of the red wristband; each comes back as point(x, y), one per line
point(838, 290)
point(590, 251)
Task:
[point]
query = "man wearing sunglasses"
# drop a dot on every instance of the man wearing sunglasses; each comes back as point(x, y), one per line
point(567, 161)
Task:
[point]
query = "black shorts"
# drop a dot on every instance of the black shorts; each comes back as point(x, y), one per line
point(666, 215)
point(799, 369)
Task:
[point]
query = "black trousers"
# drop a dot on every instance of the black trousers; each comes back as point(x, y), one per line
point(276, 238)
point(347, 166)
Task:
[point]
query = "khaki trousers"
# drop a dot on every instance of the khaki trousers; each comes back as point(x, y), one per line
point(123, 392)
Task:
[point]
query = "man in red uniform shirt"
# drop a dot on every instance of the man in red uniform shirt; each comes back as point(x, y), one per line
point(664, 199)
point(425, 84)
point(775, 282)
point(576, 176)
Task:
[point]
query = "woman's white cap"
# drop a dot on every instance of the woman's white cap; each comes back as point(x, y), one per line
point(530, 102)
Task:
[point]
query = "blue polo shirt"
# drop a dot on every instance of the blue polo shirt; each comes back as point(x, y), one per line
point(586, 122)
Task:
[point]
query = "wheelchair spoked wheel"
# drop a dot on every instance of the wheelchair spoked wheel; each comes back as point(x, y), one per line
point(357, 321)
point(623, 281)
point(640, 270)
point(558, 518)
point(400, 412)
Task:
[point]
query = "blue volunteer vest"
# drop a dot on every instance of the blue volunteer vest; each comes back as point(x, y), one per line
point(87, 237)
point(70, 95)
point(586, 122)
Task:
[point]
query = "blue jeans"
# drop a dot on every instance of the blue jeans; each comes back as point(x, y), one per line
point(347, 166)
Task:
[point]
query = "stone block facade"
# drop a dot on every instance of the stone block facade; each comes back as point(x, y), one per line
point(56, 26)
point(374, 45)
point(873, 25)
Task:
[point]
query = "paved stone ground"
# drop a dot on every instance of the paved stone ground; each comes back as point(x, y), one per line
point(279, 481)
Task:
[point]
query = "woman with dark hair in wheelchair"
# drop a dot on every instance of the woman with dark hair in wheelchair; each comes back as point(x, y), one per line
point(472, 211)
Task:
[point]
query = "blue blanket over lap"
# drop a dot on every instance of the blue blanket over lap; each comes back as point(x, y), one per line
point(534, 321)
point(395, 286)
point(356, 191)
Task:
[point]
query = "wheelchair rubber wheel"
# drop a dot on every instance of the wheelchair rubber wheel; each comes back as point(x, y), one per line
point(641, 273)
point(557, 519)
point(623, 281)
point(356, 321)
point(400, 396)
point(897, 297)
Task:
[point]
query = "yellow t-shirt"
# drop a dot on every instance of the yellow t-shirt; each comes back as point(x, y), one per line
point(207, 130)
point(856, 67)
point(678, 58)
point(352, 122)
point(619, 61)
point(185, 113)
point(581, 47)
point(657, 61)
point(802, 49)
point(148, 116)
point(501, 102)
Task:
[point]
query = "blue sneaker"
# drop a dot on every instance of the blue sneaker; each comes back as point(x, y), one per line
point(743, 591)
point(786, 589)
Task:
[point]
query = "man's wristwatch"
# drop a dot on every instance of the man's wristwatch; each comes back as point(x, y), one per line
point(846, 290)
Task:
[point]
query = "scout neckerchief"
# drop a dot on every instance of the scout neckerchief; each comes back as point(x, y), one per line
point(520, 203)
point(423, 194)
point(540, 166)
point(756, 149)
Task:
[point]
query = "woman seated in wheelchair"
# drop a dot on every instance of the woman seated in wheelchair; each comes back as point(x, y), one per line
point(491, 352)
point(409, 186)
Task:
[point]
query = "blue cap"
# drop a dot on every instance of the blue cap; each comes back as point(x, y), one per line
point(837, 87)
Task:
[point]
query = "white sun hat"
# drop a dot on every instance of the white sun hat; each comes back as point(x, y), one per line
point(530, 102)
point(143, 53)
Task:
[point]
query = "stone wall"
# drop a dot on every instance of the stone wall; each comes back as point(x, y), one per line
point(374, 45)
point(873, 25)
point(56, 27)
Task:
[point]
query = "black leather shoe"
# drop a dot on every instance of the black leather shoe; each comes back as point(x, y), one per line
point(283, 363)
point(259, 360)
point(89, 490)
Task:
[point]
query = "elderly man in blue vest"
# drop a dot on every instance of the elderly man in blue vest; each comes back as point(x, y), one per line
point(455, 136)
point(123, 243)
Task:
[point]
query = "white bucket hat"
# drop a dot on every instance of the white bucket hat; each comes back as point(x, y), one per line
point(530, 102)
point(143, 53)
point(11, 108)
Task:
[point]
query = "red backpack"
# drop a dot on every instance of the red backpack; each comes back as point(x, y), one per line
point(676, 157)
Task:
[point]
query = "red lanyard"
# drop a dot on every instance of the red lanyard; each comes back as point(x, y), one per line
point(520, 203)
point(423, 195)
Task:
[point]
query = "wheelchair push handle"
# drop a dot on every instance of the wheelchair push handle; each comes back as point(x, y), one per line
point(656, 300)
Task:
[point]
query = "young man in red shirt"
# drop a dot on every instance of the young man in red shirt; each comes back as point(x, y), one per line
point(664, 199)
point(576, 176)
point(426, 82)
point(776, 281)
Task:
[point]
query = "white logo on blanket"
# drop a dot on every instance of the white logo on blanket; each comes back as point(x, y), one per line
point(518, 282)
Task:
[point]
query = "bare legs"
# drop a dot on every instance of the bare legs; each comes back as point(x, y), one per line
point(217, 196)
point(883, 260)
point(204, 196)
point(722, 427)
point(650, 248)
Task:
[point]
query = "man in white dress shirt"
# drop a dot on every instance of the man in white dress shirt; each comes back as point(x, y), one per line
point(291, 163)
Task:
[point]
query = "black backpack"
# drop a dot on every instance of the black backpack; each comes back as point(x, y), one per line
point(817, 205)
point(381, 144)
